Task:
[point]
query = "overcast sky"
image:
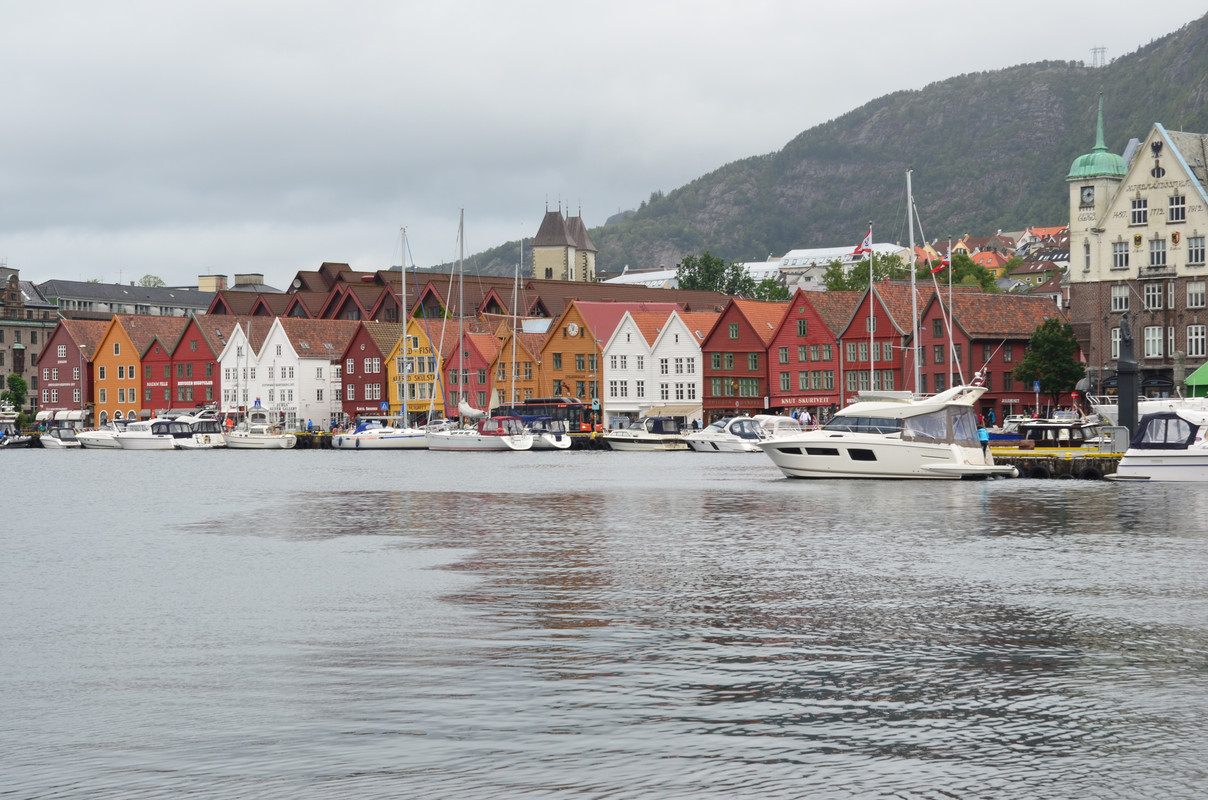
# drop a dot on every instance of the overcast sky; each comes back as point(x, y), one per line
point(187, 138)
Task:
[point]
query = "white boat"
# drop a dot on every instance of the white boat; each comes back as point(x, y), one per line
point(257, 431)
point(893, 435)
point(147, 434)
point(549, 434)
point(1168, 446)
point(102, 438)
point(776, 426)
point(373, 435)
point(728, 435)
point(647, 433)
point(197, 433)
point(1109, 407)
point(10, 434)
point(59, 439)
point(492, 433)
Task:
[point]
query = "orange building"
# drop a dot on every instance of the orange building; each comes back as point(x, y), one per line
point(118, 376)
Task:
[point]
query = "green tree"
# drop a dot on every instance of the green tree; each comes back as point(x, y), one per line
point(772, 290)
point(151, 281)
point(1052, 359)
point(711, 274)
point(15, 394)
point(965, 272)
point(837, 278)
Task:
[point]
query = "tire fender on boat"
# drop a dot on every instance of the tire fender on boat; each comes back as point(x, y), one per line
point(1090, 474)
point(1040, 472)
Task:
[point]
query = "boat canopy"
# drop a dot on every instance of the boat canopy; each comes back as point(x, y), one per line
point(1165, 430)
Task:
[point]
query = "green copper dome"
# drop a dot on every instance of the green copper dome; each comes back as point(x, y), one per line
point(1098, 163)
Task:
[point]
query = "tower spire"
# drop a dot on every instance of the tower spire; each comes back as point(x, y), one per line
point(1100, 147)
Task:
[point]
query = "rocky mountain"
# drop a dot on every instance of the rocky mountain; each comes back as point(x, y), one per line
point(988, 151)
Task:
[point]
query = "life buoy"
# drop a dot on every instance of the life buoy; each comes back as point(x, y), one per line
point(1040, 472)
point(1090, 474)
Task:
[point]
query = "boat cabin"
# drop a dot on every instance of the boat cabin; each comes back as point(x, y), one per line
point(501, 426)
point(1064, 433)
point(1166, 430)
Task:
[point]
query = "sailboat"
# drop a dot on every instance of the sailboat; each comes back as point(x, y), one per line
point(489, 433)
point(372, 434)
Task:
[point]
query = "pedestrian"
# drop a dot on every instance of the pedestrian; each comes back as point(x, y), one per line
point(807, 420)
point(983, 436)
point(990, 417)
point(310, 426)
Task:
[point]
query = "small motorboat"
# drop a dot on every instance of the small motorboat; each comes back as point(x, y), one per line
point(59, 438)
point(729, 435)
point(648, 433)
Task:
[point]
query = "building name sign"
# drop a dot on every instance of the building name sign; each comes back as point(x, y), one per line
point(817, 400)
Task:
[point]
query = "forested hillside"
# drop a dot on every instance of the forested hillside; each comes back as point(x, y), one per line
point(988, 151)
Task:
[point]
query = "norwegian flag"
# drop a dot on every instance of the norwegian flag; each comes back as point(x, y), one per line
point(864, 246)
point(939, 267)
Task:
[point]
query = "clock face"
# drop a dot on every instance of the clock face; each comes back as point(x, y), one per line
point(572, 329)
point(1088, 195)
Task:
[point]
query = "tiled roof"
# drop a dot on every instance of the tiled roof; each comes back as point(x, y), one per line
point(85, 333)
point(835, 308)
point(487, 344)
point(384, 334)
point(143, 330)
point(649, 323)
point(603, 318)
point(700, 322)
point(319, 338)
point(1005, 316)
point(763, 317)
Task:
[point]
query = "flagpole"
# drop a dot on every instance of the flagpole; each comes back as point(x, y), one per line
point(872, 260)
point(951, 344)
point(914, 297)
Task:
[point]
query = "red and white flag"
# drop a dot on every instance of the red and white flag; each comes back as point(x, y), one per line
point(940, 267)
point(864, 246)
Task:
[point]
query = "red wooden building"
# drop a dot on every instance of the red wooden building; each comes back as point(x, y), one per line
point(735, 356)
point(366, 386)
point(65, 366)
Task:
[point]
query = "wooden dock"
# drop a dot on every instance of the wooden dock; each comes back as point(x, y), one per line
point(1085, 464)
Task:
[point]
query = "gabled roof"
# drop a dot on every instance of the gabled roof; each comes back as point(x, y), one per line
point(318, 338)
point(384, 334)
point(86, 333)
point(763, 317)
point(603, 318)
point(144, 330)
point(835, 308)
point(487, 344)
point(699, 322)
point(1001, 316)
point(553, 232)
point(1037, 268)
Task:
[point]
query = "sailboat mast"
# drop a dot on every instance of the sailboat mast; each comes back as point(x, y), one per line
point(461, 341)
point(914, 295)
point(951, 344)
point(402, 315)
point(515, 299)
point(872, 261)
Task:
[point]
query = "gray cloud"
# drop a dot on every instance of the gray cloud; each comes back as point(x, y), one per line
point(184, 138)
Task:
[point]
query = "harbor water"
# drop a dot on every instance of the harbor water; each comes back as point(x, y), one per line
point(327, 624)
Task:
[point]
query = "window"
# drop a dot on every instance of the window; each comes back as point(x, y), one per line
point(1178, 209)
point(827, 353)
point(1120, 297)
point(75, 373)
point(1196, 335)
point(1195, 250)
point(557, 361)
point(612, 364)
point(862, 351)
point(368, 367)
point(1140, 211)
point(851, 352)
point(937, 355)
point(679, 366)
point(1115, 344)
point(802, 327)
point(482, 376)
point(664, 391)
point(318, 395)
point(117, 348)
point(937, 327)
point(1119, 255)
point(728, 360)
point(639, 389)
point(62, 350)
point(941, 382)
point(784, 355)
point(101, 395)
point(814, 352)
point(689, 364)
point(557, 388)
point(1153, 296)
point(351, 366)
point(1008, 382)
point(733, 330)
point(1008, 352)
point(580, 363)
point(350, 392)
point(870, 324)
point(639, 362)
point(1153, 341)
point(803, 380)
point(715, 361)
point(784, 382)
point(663, 366)
point(1195, 294)
point(752, 361)
point(1157, 253)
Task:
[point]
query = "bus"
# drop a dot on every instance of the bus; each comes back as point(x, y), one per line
point(578, 418)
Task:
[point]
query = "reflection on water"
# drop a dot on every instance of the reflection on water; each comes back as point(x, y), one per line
point(610, 625)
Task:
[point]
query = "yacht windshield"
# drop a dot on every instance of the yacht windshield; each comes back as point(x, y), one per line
point(864, 425)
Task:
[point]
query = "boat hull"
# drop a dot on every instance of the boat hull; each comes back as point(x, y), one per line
point(819, 455)
point(640, 444)
point(253, 441)
point(473, 440)
point(381, 440)
point(98, 440)
point(1163, 466)
point(719, 445)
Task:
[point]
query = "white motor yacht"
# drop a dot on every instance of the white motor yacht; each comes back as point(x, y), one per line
point(893, 435)
point(197, 433)
point(59, 439)
point(147, 434)
point(1168, 446)
point(259, 431)
point(103, 438)
point(648, 433)
point(549, 434)
point(728, 435)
